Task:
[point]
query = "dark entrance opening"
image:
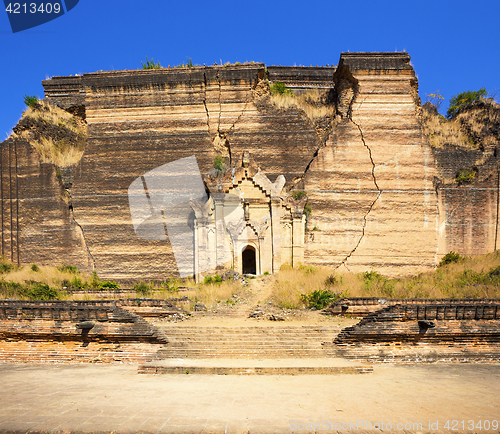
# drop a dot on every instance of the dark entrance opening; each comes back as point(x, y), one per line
point(248, 259)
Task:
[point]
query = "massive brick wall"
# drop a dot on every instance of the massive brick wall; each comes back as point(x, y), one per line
point(301, 79)
point(35, 220)
point(468, 213)
point(371, 186)
point(139, 120)
point(460, 332)
point(51, 332)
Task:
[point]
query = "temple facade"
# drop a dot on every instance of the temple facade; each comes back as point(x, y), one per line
point(249, 224)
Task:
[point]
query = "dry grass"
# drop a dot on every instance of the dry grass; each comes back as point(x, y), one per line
point(63, 152)
point(46, 274)
point(290, 283)
point(442, 132)
point(56, 116)
point(311, 103)
point(212, 294)
point(469, 278)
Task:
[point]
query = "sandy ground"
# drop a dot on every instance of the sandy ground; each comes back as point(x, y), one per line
point(104, 398)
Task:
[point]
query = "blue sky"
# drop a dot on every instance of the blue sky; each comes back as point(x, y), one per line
point(455, 45)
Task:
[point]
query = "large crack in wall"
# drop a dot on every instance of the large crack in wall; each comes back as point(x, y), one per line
point(205, 103)
point(365, 216)
point(347, 90)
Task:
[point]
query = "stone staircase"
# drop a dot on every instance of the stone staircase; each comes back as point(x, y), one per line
point(253, 349)
point(249, 342)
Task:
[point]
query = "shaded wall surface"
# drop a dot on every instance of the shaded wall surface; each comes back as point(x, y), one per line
point(469, 212)
point(36, 220)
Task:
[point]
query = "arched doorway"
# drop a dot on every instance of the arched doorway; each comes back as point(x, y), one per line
point(248, 261)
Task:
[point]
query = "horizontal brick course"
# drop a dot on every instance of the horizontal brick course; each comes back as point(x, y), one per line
point(37, 331)
point(461, 332)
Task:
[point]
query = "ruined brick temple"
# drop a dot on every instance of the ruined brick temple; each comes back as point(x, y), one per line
point(375, 189)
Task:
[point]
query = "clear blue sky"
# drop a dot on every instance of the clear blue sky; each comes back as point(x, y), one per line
point(455, 45)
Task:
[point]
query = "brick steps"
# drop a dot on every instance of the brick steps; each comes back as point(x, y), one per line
point(265, 350)
point(206, 370)
point(237, 342)
point(254, 366)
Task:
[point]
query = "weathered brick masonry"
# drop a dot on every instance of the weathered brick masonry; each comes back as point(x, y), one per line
point(373, 184)
point(75, 332)
point(363, 306)
point(431, 332)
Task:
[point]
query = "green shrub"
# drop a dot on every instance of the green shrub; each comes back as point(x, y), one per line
point(372, 276)
point(109, 284)
point(93, 282)
point(150, 64)
point(68, 269)
point(30, 101)
point(169, 287)
point(375, 281)
point(279, 88)
point(450, 258)
point(142, 288)
point(320, 298)
point(5, 267)
point(11, 289)
point(35, 268)
point(466, 176)
point(458, 102)
point(41, 291)
point(212, 279)
point(219, 164)
point(298, 194)
point(308, 210)
point(75, 283)
point(331, 280)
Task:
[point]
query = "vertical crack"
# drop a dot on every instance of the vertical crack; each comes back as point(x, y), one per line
point(205, 102)
point(220, 100)
point(90, 257)
point(365, 217)
point(369, 153)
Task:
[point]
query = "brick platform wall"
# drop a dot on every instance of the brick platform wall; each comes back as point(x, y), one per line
point(363, 306)
point(461, 332)
point(49, 332)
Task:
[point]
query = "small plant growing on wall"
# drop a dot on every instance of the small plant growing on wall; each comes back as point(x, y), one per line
point(150, 64)
point(458, 102)
point(466, 176)
point(30, 101)
point(298, 194)
point(279, 88)
point(219, 165)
